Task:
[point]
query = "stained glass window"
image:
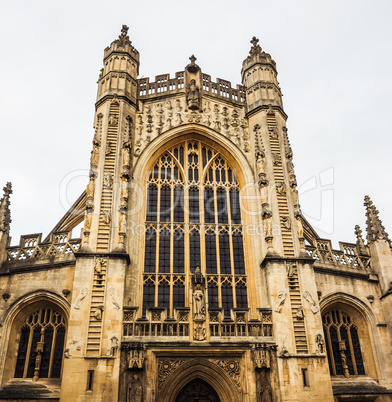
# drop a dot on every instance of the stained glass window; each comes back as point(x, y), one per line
point(193, 217)
point(340, 330)
point(47, 328)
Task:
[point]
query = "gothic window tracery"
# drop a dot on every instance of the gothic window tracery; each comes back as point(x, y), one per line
point(41, 344)
point(342, 343)
point(193, 217)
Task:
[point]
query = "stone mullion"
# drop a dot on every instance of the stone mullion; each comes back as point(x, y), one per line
point(54, 339)
point(329, 346)
point(28, 351)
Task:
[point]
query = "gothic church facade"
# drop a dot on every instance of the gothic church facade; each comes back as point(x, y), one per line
point(195, 277)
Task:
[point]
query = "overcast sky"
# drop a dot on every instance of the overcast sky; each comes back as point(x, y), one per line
point(334, 61)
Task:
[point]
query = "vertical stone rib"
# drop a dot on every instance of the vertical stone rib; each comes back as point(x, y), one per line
point(287, 236)
point(94, 337)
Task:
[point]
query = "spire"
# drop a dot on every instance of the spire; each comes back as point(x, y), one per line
point(5, 214)
point(360, 243)
point(375, 229)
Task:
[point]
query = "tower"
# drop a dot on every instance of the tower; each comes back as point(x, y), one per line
point(196, 276)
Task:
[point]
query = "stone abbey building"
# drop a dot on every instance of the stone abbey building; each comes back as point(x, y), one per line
point(196, 277)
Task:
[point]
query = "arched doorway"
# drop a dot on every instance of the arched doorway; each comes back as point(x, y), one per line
point(197, 390)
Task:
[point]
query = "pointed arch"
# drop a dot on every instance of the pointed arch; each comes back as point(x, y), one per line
point(347, 318)
point(202, 369)
point(17, 313)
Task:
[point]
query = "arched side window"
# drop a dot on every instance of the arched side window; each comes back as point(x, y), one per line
point(342, 343)
point(41, 345)
point(193, 217)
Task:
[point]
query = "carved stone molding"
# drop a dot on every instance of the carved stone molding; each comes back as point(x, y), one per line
point(232, 368)
point(82, 295)
point(166, 367)
point(262, 355)
point(136, 357)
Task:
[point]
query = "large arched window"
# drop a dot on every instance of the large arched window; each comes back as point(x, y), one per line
point(193, 218)
point(41, 344)
point(342, 343)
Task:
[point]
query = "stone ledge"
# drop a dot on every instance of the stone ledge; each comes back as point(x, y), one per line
point(28, 390)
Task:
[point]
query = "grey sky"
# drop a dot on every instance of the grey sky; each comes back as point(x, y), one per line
point(334, 61)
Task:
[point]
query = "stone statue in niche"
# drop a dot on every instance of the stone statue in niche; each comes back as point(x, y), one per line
point(262, 177)
point(95, 153)
point(90, 191)
point(300, 228)
point(99, 263)
point(286, 223)
point(263, 388)
point(107, 217)
point(87, 219)
point(280, 188)
point(320, 343)
point(108, 180)
point(98, 313)
point(135, 390)
point(193, 96)
point(299, 315)
point(113, 120)
point(198, 303)
point(113, 346)
point(109, 148)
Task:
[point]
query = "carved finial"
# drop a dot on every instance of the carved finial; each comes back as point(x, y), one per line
point(360, 243)
point(255, 46)
point(5, 214)
point(192, 59)
point(123, 37)
point(375, 229)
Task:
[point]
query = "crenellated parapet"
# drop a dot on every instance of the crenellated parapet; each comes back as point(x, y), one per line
point(166, 86)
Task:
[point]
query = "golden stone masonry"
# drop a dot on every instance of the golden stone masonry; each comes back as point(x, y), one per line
point(196, 277)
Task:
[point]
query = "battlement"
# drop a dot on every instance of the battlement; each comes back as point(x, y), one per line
point(164, 85)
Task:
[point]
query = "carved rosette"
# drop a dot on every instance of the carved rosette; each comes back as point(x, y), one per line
point(166, 367)
point(231, 367)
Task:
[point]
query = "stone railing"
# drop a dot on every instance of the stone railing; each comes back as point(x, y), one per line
point(165, 85)
point(240, 325)
point(156, 324)
point(30, 246)
point(347, 257)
